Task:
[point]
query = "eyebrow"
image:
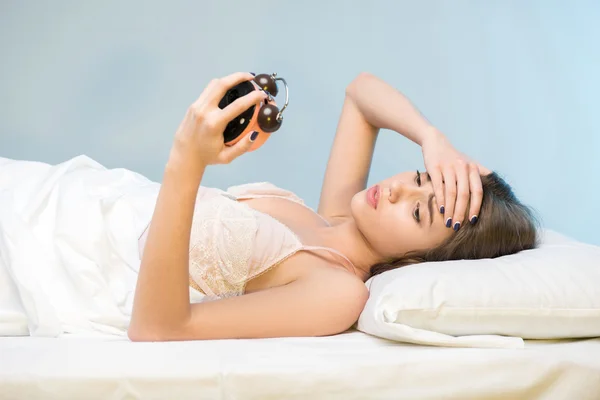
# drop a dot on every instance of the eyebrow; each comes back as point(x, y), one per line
point(430, 207)
point(429, 201)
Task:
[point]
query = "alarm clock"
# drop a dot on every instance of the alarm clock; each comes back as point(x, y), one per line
point(265, 118)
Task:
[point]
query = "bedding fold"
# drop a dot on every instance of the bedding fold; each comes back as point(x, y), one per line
point(68, 240)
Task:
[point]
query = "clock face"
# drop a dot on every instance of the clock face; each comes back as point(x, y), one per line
point(236, 126)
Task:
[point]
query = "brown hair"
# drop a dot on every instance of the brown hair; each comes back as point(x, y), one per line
point(505, 226)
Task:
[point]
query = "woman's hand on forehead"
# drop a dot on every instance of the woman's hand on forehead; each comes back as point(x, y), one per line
point(456, 180)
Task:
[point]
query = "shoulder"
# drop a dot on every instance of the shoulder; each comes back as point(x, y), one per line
point(333, 296)
point(325, 299)
point(329, 280)
point(323, 278)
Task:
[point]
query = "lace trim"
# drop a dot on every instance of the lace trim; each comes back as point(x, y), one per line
point(221, 246)
point(194, 285)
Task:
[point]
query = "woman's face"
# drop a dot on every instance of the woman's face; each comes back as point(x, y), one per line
point(400, 214)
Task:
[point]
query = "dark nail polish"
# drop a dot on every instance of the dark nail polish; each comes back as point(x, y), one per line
point(253, 74)
point(474, 219)
point(456, 226)
point(448, 222)
point(442, 209)
point(253, 136)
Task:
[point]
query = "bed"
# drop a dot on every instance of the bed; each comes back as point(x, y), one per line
point(73, 296)
point(352, 365)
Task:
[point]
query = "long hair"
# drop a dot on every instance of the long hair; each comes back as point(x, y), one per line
point(505, 226)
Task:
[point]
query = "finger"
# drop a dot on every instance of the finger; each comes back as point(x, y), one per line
point(230, 153)
point(210, 87)
point(476, 192)
point(243, 103)
point(450, 194)
point(438, 187)
point(226, 83)
point(483, 170)
point(462, 195)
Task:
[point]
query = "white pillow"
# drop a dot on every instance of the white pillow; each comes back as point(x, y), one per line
point(550, 292)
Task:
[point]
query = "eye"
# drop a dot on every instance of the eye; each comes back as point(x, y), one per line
point(417, 215)
point(418, 178)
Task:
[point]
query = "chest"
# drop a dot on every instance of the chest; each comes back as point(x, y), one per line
point(303, 222)
point(300, 219)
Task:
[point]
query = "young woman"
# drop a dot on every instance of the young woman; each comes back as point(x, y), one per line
point(274, 267)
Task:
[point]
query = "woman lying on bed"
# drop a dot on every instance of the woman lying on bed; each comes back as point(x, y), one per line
point(276, 268)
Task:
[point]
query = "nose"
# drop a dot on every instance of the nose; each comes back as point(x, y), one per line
point(398, 190)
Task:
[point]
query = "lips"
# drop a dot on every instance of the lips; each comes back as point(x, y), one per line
point(373, 196)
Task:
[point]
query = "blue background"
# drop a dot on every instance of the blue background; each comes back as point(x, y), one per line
point(513, 84)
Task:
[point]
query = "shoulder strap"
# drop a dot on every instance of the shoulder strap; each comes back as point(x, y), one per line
point(265, 189)
point(347, 262)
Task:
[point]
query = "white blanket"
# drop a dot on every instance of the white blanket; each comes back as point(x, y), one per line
point(68, 240)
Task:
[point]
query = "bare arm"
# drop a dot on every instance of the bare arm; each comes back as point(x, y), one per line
point(161, 307)
point(370, 105)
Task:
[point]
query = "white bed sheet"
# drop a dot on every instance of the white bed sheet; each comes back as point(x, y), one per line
point(352, 365)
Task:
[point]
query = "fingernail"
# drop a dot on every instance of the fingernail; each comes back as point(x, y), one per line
point(441, 209)
point(456, 226)
point(448, 222)
point(473, 219)
point(253, 136)
point(253, 74)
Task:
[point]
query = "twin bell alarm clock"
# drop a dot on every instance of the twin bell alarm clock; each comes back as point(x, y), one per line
point(265, 118)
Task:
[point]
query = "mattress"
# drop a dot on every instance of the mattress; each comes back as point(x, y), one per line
point(351, 365)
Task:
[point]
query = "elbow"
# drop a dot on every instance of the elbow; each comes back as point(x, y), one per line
point(144, 329)
point(354, 86)
point(358, 80)
point(142, 335)
point(136, 333)
point(363, 76)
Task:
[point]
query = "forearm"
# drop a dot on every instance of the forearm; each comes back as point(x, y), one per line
point(162, 302)
point(384, 107)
